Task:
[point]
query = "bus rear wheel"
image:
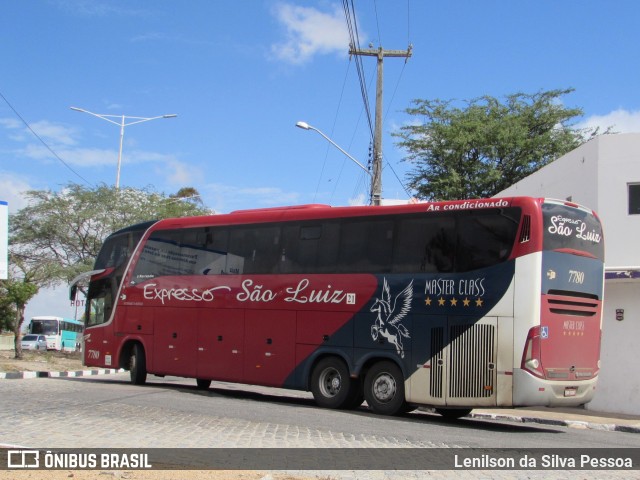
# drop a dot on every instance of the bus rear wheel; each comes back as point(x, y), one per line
point(138, 365)
point(384, 389)
point(332, 387)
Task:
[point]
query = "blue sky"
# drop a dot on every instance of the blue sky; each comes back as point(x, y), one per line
point(240, 74)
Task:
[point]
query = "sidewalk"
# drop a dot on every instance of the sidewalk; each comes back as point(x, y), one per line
point(47, 373)
point(565, 417)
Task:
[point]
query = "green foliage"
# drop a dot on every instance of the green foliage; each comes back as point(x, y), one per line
point(479, 150)
point(18, 294)
point(7, 311)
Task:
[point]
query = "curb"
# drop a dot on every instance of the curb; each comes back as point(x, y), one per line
point(558, 423)
point(78, 373)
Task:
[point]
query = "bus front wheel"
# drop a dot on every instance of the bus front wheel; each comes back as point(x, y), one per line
point(138, 365)
point(331, 385)
point(384, 389)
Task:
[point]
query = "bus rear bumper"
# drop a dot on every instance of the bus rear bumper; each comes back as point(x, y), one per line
point(531, 391)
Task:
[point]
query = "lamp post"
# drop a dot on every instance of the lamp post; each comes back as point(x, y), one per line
point(375, 186)
point(121, 124)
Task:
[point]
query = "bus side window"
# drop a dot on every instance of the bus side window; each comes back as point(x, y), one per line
point(485, 238)
point(259, 247)
point(308, 248)
point(366, 246)
point(425, 245)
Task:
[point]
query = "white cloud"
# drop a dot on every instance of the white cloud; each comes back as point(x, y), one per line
point(621, 121)
point(358, 200)
point(309, 31)
point(54, 133)
point(85, 157)
point(10, 123)
point(179, 173)
point(13, 188)
point(225, 198)
point(90, 157)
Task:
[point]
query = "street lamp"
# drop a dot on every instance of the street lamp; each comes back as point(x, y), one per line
point(375, 193)
point(121, 124)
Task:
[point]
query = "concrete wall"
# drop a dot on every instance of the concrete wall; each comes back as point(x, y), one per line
point(618, 388)
point(573, 176)
point(619, 165)
point(6, 342)
point(597, 175)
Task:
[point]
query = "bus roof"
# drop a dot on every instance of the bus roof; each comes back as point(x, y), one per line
point(319, 211)
point(53, 317)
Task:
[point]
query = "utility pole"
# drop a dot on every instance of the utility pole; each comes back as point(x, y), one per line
point(380, 53)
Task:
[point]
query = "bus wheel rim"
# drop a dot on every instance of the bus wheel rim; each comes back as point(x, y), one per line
point(330, 382)
point(384, 388)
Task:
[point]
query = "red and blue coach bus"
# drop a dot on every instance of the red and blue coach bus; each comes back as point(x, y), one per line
point(450, 305)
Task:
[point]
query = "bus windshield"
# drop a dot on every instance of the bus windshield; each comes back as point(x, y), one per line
point(117, 248)
point(44, 327)
point(569, 228)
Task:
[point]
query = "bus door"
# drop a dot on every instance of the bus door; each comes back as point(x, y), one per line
point(459, 368)
point(221, 344)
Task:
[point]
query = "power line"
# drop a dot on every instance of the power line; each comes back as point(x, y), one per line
point(409, 22)
point(352, 26)
point(375, 8)
point(335, 119)
point(380, 54)
point(43, 142)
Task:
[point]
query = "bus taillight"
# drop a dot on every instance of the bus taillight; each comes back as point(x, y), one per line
point(531, 355)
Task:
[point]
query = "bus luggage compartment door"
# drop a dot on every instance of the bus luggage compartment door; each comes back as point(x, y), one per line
point(461, 359)
point(471, 361)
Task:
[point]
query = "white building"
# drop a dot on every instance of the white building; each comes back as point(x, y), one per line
point(604, 174)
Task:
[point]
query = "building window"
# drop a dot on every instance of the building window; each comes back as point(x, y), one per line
point(634, 199)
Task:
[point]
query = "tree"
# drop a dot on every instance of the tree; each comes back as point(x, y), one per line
point(19, 293)
point(477, 151)
point(64, 230)
point(188, 194)
point(7, 310)
point(59, 234)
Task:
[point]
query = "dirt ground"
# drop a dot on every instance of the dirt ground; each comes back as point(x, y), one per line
point(148, 475)
point(34, 361)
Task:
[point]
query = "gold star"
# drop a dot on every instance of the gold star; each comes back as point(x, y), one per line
point(454, 302)
point(479, 302)
point(466, 302)
point(427, 301)
point(441, 302)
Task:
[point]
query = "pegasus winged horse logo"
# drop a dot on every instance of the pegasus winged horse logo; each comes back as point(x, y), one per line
point(388, 324)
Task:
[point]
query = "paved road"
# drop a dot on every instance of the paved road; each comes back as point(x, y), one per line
point(108, 412)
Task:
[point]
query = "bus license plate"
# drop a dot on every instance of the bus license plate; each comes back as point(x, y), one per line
point(570, 392)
